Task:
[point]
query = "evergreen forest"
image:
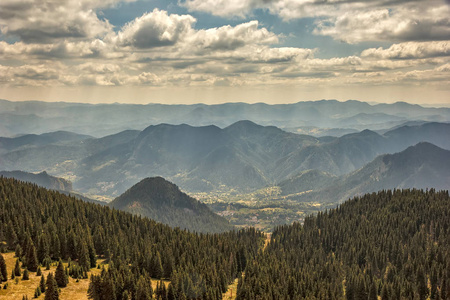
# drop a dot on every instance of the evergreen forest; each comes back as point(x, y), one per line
point(44, 226)
point(385, 245)
point(394, 244)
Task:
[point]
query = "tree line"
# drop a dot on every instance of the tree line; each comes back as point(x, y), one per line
point(45, 226)
point(388, 245)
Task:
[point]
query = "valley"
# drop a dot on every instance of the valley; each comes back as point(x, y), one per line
point(233, 212)
point(250, 174)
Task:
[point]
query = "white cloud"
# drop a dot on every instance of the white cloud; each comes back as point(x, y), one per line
point(410, 50)
point(227, 38)
point(162, 49)
point(155, 29)
point(351, 21)
point(44, 21)
point(420, 21)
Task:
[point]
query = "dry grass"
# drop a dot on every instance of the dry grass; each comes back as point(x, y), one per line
point(267, 240)
point(231, 292)
point(73, 291)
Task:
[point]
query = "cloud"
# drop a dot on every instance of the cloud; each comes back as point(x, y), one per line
point(155, 29)
point(95, 48)
point(44, 21)
point(414, 22)
point(227, 38)
point(160, 49)
point(351, 21)
point(410, 50)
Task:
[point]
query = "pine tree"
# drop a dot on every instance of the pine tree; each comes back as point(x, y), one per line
point(60, 275)
point(51, 291)
point(385, 292)
point(43, 248)
point(17, 271)
point(26, 275)
point(421, 282)
point(31, 258)
point(83, 255)
point(18, 251)
point(3, 270)
point(42, 284)
point(95, 289)
point(143, 290)
point(39, 271)
point(157, 270)
point(373, 291)
point(37, 292)
point(125, 295)
point(171, 292)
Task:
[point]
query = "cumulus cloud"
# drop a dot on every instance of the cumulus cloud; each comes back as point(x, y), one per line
point(410, 50)
point(44, 21)
point(230, 38)
point(162, 49)
point(155, 29)
point(351, 21)
point(414, 22)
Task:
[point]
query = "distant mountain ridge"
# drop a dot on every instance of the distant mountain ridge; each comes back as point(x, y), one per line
point(105, 119)
point(420, 166)
point(162, 201)
point(239, 158)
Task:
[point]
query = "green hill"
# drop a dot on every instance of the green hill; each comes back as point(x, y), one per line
point(163, 202)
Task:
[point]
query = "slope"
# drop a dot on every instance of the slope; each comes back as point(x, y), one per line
point(162, 201)
point(421, 166)
point(42, 179)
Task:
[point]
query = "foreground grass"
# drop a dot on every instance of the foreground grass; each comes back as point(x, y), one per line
point(74, 290)
point(18, 289)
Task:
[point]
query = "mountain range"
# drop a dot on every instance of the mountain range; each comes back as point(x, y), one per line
point(239, 158)
point(310, 117)
point(420, 166)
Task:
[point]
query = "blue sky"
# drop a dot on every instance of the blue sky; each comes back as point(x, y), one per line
point(214, 51)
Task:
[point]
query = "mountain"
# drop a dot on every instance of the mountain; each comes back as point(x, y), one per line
point(163, 202)
point(240, 158)
point(42, 179)
point(305, 182)
point(105, 119)
point(33, 140)
point(421, 166)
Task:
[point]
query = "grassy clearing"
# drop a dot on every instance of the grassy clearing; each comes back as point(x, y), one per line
point(16, 290)
point(74, 290)
point(231, 292)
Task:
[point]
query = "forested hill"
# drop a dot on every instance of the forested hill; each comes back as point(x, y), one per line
point(42, 179)
point(162, 201)
point(391, 244)
point(42, 225)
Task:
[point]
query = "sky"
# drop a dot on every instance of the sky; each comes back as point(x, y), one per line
point(216, 51)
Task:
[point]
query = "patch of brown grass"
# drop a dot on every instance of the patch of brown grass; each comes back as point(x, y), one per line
point(230, 294)
point(73, 291)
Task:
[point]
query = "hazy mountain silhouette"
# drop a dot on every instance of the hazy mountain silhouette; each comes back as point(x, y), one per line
point(104, 119)
point(421, 166)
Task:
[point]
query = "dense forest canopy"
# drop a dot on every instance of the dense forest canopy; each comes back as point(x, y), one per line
point(47, 225)
point(391, 244)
